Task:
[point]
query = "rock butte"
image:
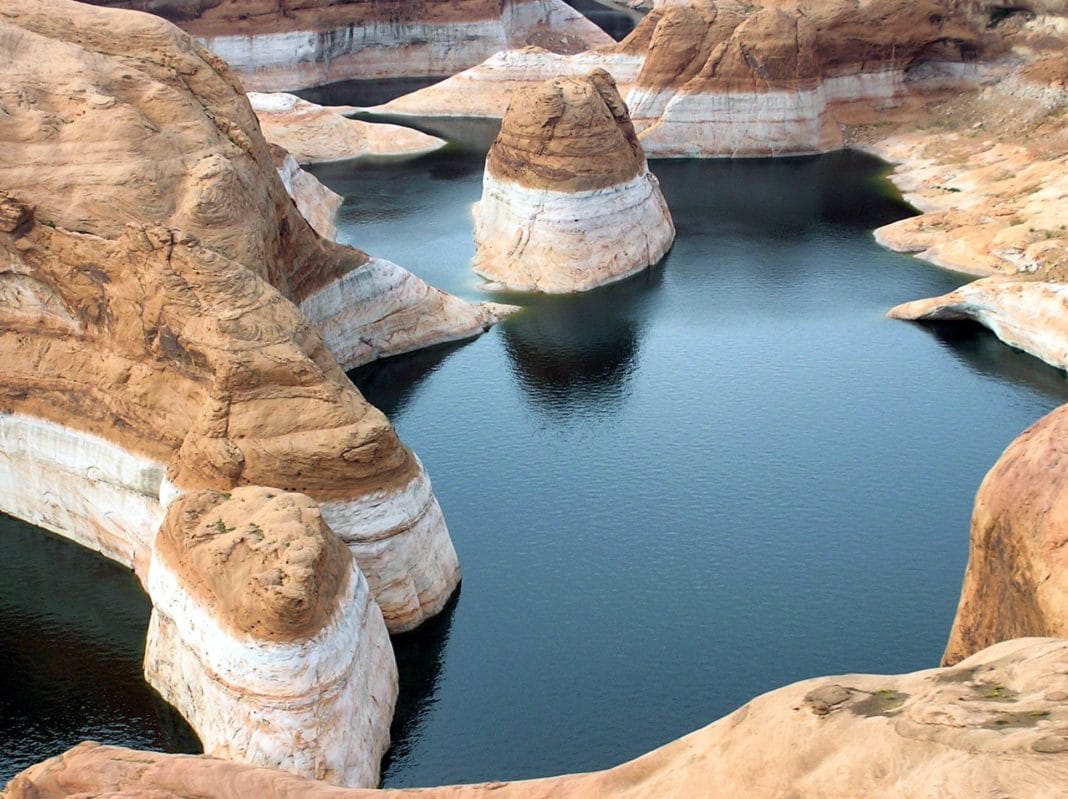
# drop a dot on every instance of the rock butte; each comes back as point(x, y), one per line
point(314, 134)
point(298, 44)
point(265, 636)
point(1016, 582)
point(152, 346)
point(995, 725)
point(568, 202)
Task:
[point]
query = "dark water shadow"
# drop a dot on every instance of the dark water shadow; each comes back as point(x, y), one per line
point(420, 658)
point(615, 21)
point(391, 384)
point(980, 350)
point(578, 352)
point(364, 92)
point(73, 627)
point(474, 134)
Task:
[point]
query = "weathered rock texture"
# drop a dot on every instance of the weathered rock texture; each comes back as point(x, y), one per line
point(568, 202)
point(989, 171)
point(997, 725)
point(152, 261)
point(778, 77)
point(1016, 582)
point(314, 134)
point(316, 203)
point(265, 636)
point(303, 43)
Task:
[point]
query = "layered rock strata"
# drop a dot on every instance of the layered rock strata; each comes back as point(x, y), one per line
point(706, 79)
point(305, 43)
point(568, 202)
point(265, 637)
point(152, 261)
point(1016, 582)
point(316, 203)
point(314, 134)
point(994, 725)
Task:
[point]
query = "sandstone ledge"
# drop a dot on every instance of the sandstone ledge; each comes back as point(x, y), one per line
point(997, 723)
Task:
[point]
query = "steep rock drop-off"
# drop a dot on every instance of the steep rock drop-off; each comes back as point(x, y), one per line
point(996, 725)
point(568, 202)
point(300, 44)
point(1016, 582)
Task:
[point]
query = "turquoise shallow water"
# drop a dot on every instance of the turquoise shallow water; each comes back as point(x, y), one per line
point(668, 495)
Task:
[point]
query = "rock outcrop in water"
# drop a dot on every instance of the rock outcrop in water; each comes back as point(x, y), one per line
point(316, 203)
point(1016, 582)
point(568, 202)
point(314, 134)
point(265, 636)
point(276, 46)
point(993, 726)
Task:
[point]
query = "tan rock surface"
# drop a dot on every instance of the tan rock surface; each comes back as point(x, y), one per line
point(1016, 582)
point(568, 202)
point(152, 259)
point(262, 561)
point(316, 203)
point(996, 725)
point(314, 134)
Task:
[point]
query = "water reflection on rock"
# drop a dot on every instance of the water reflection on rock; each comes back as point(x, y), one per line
point(578, 352)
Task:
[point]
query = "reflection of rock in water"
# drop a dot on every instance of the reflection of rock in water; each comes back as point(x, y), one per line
point(616, 22)
point(420, 655)
point(363, 92)
point(976, 347)
point(577, 352)
point(391, 384)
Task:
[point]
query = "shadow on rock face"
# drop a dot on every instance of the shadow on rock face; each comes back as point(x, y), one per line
point(578, 352)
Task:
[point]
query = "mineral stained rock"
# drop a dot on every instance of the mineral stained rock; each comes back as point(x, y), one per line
point(150, 341)
point(265, 636)
point(299, 44)
point(1016, 582)
point(314, 134)
point(568, 202)
point(993, 726)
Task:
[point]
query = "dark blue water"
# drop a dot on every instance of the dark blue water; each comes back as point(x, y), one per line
point(668, 495)
point(675, 493)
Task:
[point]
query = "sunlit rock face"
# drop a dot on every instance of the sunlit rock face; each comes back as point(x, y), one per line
point(568, 202)
point(992, 726)
point(265, 636)
point(1016, 582)
point(780, 77)
point(304, 43)
point(316, 203)
point(315, 134)
point(152, 259)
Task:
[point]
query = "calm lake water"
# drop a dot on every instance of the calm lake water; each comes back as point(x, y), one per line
point(668, 495)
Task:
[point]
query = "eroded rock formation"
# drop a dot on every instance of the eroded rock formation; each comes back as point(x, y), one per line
point(303, 43)
point(316, 203)
point(1016, 582)
point(314, 134)
point(568, 202)
point(994, 725)
point(153, 260)
point(265, 636)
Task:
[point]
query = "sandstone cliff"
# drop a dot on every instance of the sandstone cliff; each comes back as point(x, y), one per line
point(303, 43)
point(1016, 582)
point(993, 726)
point(152, 262)
point(568, 202)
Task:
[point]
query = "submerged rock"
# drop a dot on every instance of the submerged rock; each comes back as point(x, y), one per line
point(995, 725)
point(1016, 582)
point(568, 202)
